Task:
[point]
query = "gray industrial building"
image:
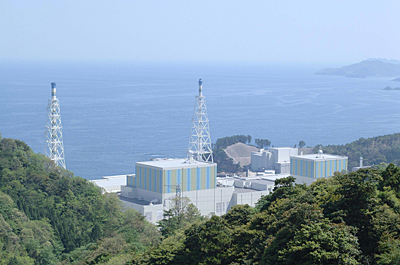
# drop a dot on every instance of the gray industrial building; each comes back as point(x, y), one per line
point(308, 168)
point(152, 188)
point(276, 158)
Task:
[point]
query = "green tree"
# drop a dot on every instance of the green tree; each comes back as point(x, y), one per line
point(391, 178)
point(262, 143)
point(179, 216)
point(238, 215)
point(302, 144)
point(208, 242)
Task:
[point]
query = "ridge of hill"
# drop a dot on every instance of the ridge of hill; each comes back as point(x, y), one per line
point(369, 67)
point(374, 150)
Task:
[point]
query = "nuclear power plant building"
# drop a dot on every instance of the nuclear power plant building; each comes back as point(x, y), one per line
point(156, 183)
point(308, 168)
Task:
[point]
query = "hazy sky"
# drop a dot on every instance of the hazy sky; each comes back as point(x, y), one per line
point(259, 30)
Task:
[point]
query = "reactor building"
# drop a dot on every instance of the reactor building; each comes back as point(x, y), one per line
point(308, 168)
point(156, 183)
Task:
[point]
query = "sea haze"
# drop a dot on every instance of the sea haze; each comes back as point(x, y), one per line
point(114, 115)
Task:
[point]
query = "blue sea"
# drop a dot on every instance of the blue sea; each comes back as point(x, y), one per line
point(115, 114)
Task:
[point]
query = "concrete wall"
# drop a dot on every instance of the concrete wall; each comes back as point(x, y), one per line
point(262, 159)
point(282, 167)
point(269, 159)
point(283, 154)
point(207, 201)
point(152, 213)
point(250, 198)
point(135, 193)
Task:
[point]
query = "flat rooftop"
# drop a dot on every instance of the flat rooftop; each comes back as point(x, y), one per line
point(319, 158)
point(111, 181)
point(175, 163)
point(243, 190)
point(135, 200)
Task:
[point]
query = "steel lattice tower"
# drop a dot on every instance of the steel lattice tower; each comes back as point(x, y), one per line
point(200, 140)
point(55, 146)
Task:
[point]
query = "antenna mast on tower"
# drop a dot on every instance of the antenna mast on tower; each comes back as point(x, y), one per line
point(200, 139)
point(54, 139)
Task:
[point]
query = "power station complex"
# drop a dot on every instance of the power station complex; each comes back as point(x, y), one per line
point(157, 183)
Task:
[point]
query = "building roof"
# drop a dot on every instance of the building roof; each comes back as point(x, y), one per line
point(134, 200)
point(283, 148)
point(111, 181)
point(316, 157)
point(245, 190)
point(175, 164)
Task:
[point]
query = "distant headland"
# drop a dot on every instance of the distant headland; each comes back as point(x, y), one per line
point(366, 68)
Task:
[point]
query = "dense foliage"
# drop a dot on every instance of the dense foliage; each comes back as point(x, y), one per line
point(347, 219)
point(47, 215)
point(224, 142)
point(374, 150)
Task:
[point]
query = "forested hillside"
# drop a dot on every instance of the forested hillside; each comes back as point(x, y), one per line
point(374, 150)
point(347, 219)
point(48, 216)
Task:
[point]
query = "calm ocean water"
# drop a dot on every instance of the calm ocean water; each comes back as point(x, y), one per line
point(114, 115)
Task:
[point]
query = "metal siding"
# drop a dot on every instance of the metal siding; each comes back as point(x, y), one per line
point(193, 174)
point(179, 175)
point(150, 178)
point(208, 178)
point(188, 178)
point(155, 180)
point(140, 177)
point(145, 178)
point(160, 182)
point(312, 169)
point(168, 181)
point(214, 179)
point(301, 168)
point(173, 177)
point(203, 178)
point(198, 178)
point(316, 170)
point(136, 176)
point(307, 169)
point(291, 166)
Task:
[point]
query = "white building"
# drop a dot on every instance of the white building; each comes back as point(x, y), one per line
point(152, 188)
point(308, 168)
point(111, 184)
point(276, 158)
